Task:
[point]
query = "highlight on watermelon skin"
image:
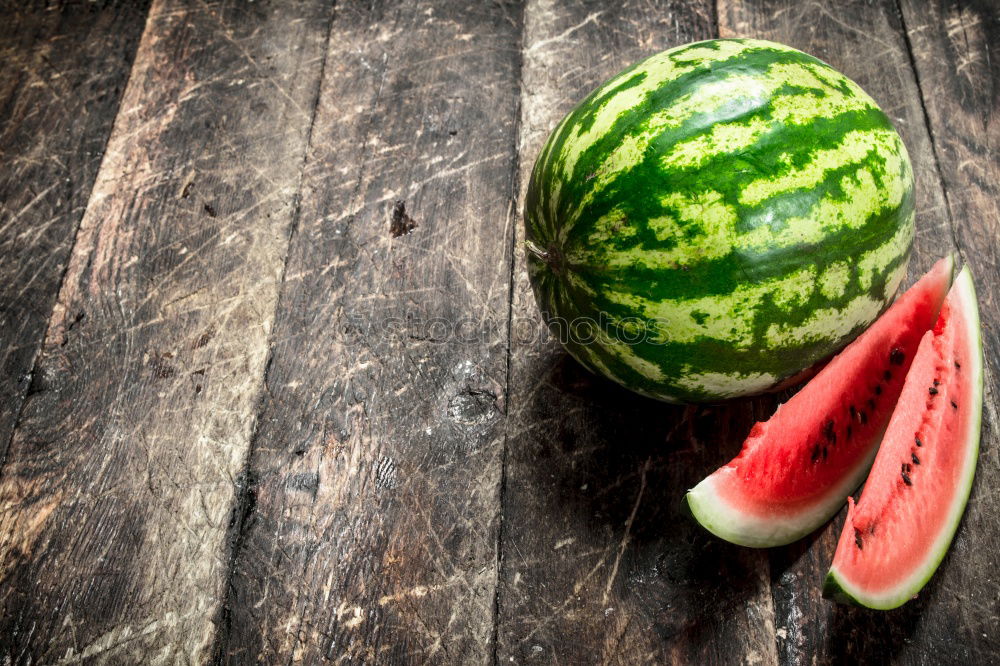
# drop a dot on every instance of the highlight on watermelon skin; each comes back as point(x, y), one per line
point(796, 469)
point(900, 529)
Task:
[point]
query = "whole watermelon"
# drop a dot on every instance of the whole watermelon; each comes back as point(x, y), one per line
point(717, 218)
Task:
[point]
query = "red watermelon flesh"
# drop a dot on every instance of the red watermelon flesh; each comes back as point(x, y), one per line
point(901, 527)
point(795, 470)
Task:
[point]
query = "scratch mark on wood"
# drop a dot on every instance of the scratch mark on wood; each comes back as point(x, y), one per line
point(542, 43)
point(628, 531)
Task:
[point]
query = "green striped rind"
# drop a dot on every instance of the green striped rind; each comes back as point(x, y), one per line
point(737, 205)
point(838, 587)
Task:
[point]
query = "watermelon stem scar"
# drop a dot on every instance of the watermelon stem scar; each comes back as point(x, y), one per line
point(539, 253)
point(551, 256)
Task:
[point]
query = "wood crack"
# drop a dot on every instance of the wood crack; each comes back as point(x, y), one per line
point(627, 532)
point(512, 218)
point(71, 184)
point(927, 124)
point(245, 499)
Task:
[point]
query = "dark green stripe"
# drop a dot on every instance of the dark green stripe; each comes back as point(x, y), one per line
point(710, 355)
point(721, 276)
point(585, 113)
point(637, 192)
point(750, 60)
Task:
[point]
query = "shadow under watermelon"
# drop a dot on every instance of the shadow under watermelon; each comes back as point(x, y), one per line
point(606, 470)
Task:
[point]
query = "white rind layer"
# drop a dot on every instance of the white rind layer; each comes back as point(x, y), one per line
point(734, 524)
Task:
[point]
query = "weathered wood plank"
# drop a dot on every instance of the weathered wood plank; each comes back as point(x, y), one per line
point(62, 72)
point(599, 564)
point(956, 51)
point(120, 477)
point(865, 41)
point(371, 522)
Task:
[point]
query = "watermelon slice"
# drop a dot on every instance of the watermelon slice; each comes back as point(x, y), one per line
point(795, 469)
point(900, 529)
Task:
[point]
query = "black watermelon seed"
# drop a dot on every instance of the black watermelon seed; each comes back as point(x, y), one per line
point(937, 383)
point(953, 404)
point(907, 467)
point(896, 356)
point(917, 440)
point(957, 364)
point(864, 417)
point(887, 375)
point(916, 460)
point(878, 390)
point(858, 540)
point(815, 454)
point(829, 432)
point(825, 453)
point(932, 391)
point(906, 479)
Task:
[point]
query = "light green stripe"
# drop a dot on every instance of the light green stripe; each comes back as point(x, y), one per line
point(657, 70)
point(724, 385)
point(627, 355)
point(827, 323)
point(855, 147)
point(872, 264)
point(862, 197)
point(834, 280)
point(730, 318)
point(754, 91)
point(718, 221)
point(799, 108)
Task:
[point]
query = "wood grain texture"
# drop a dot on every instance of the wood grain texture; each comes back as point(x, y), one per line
point(599, 563)
point(120, 478)
point(369, 531)
point(296, 402)
point(866, 41)
point(956, 51)
point(62, 72)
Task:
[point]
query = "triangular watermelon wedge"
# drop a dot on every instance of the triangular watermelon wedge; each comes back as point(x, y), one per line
point(901, 527)
point(796, 469)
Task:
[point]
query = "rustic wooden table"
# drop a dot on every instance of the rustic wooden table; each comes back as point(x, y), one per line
point(244, 417)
